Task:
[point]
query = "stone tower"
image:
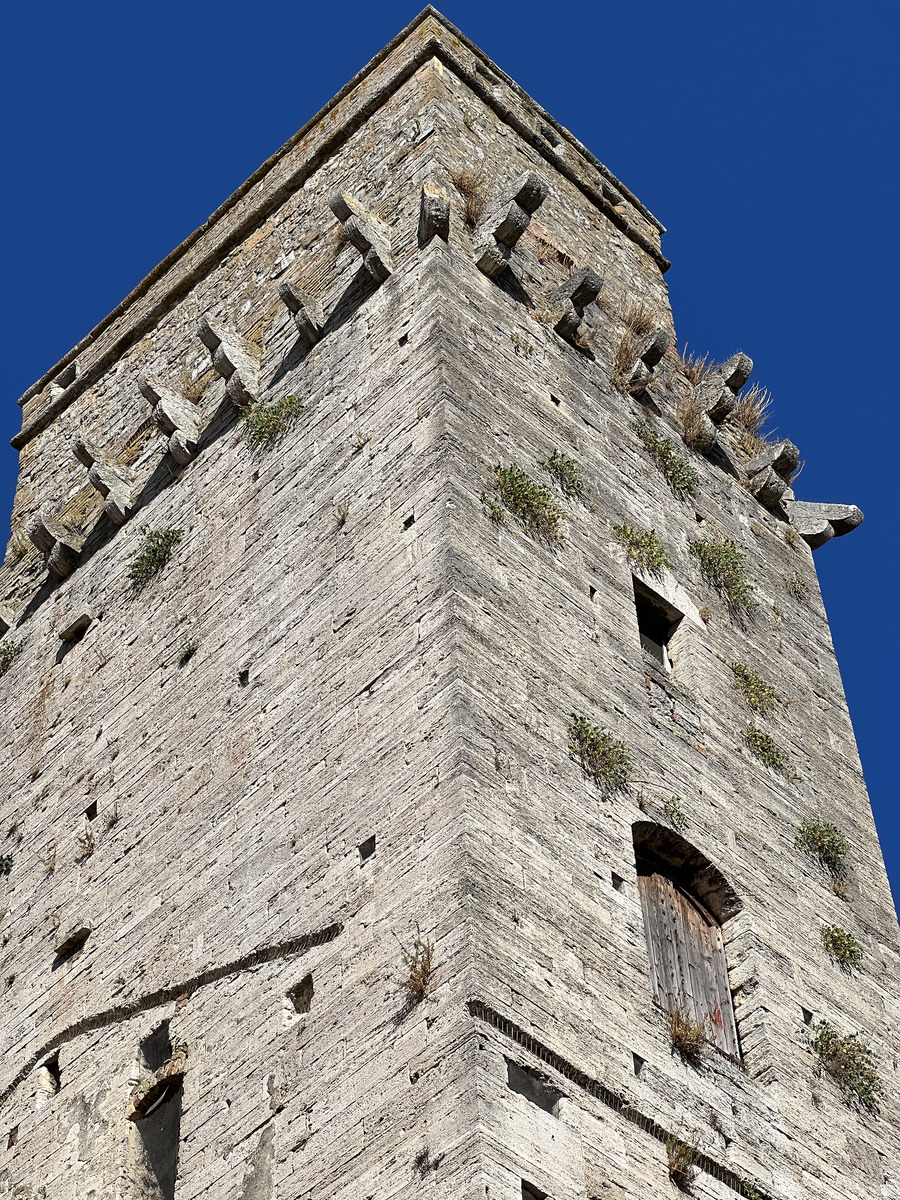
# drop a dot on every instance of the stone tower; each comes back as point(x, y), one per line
point(426, 768)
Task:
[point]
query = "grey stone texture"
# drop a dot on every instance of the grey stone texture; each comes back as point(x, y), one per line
point(343, 644)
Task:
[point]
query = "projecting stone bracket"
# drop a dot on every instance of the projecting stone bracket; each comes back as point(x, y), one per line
point(60, 546)
point(176, 417)
point(367, 234)
point(819, 523)
point(648, 357)
point(235, 360)
point(114, 483)
point(434, 214)
point(499, 232)
point(305, 310)
point(579, 290)
point(769, 474)
point(716, 396)
point(159, 1087)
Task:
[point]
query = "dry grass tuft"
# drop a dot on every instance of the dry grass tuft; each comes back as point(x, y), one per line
point(693, 367)
point(624, 361)
point(472, 186)
point(418, 961)
point(689, 414)
point(192, 389)
point(640, 319)
point(688, 1038)
point(682, 1162)
point(746, 422)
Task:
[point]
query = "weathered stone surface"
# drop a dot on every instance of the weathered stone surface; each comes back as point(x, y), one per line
point(201, 776)
point(818, 523)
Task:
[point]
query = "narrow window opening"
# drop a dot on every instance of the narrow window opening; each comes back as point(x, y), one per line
point(533, 1087)
point(52, 1075)
point(618, 882)
point(301, 995)
point(91, 811)
point(366, 849)
point(807, 1015)
point(657, 622)
point(401, 341)
point(410, 521)
point(592, 592)
point(638, 1064)
point(13, 1138)
point(158, 1131)
point(243, 677)
point(530, 1192)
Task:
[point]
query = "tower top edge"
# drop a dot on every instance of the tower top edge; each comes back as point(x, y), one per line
point(429, 34)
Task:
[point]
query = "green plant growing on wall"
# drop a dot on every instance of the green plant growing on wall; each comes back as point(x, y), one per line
point(675, 815)
point(9, 652)
point(645, 549)
point(682, 479)
point(566, 472)
point(682, 1162)
point(419, 966)
point(796, 586)
point(687, 1037)
point(824, 842)
point(723, 566)
point(850, 1063)
point(158, 547)
point(602, 758)
point(520, 345)
point(530, 502)
point(765, 748)
point(841, 946)
point(266, 424)
point(760, 695)
point(749, 1192)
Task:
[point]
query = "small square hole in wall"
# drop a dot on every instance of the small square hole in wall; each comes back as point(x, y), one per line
point(530, 1192)
point(807, 1015)
point(554, 400)
point(410, 521)
point(637, 1064)
point(592, 592)
point(366, 849)
point(618, 882)
point(13, 1138)
point(401, 341)
point(657, 623)
point(301, 995)
point(91, 811)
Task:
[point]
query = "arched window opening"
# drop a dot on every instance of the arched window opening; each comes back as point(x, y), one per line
point(686, 901)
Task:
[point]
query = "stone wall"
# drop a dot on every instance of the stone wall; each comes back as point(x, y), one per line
point(353, 637)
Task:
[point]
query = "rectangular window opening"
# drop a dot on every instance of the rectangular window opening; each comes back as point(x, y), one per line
point(657, 622)
point(533, 1087)
point(410, 521)
point(530, 1192)
point(638, 1064)
point(91, 811)
point(618, 882)
point(366, 849)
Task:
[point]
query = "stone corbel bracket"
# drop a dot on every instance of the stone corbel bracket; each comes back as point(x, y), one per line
point(59, 545)
point(716, 395)
point(819, 523)
point(498, 234)
point(580, 289)
point(159, 1087)
point(178, 419)
point(434, 214)
point(305, 310)
point(769, 474)
point(113, 482)
point(235, 359)
point(367, 233)
point(648, 357)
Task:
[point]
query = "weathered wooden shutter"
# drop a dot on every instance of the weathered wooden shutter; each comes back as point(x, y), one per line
point(687, 959)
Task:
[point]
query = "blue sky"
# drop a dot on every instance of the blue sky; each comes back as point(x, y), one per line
point(763, 136)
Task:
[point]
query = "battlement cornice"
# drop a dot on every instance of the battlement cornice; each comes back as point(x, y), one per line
point(430, 35)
